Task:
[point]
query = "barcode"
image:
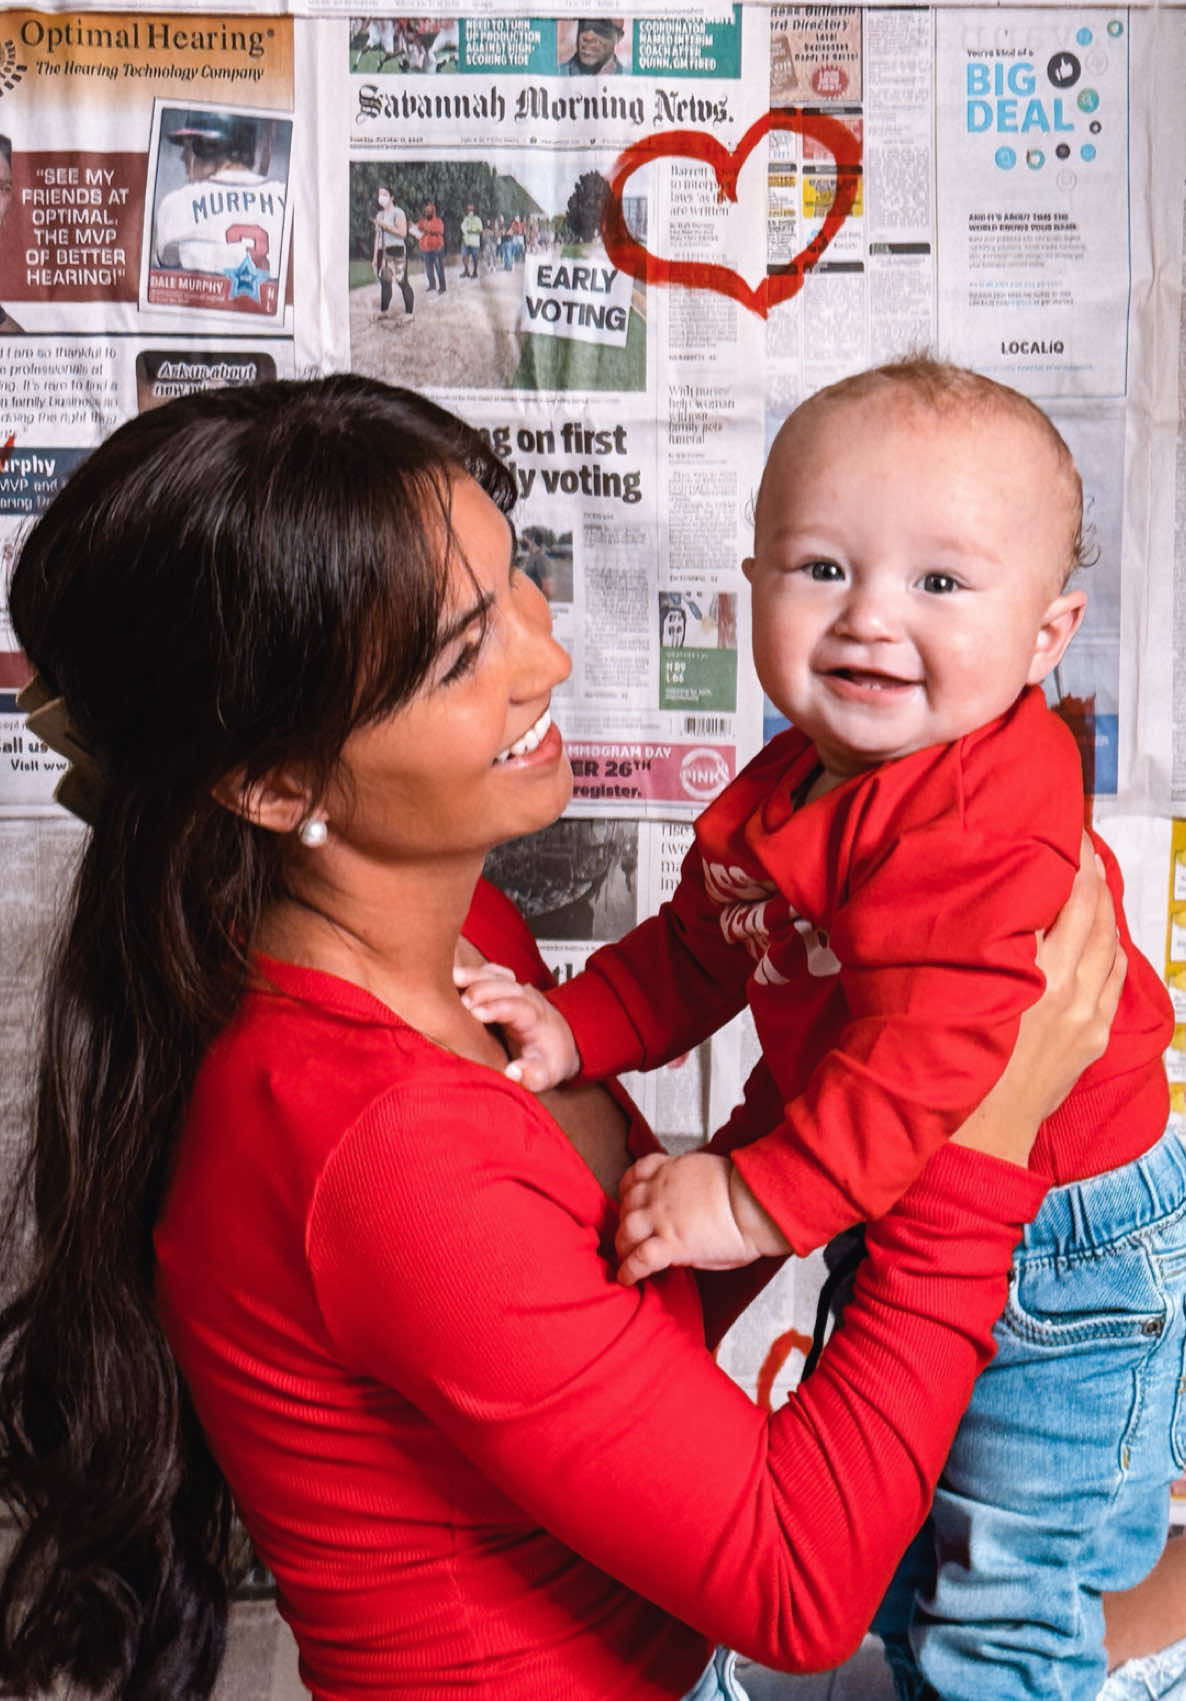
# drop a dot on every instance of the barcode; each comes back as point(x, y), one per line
point(707, 726)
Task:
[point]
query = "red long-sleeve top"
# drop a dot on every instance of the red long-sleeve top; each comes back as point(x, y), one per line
point(476, 1464)
point(432, 233)
point(883, 936)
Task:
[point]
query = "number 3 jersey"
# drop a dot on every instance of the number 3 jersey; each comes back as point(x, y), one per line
point(213, 224)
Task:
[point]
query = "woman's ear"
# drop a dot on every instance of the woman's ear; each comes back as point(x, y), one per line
point(278, 801)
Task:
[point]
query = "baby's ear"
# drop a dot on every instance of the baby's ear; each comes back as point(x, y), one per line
point(1060, 622)
point(278, 801)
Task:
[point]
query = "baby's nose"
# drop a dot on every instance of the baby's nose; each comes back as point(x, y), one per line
point(868, 612)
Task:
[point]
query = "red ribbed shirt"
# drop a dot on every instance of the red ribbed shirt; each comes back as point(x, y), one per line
point(476, 1464)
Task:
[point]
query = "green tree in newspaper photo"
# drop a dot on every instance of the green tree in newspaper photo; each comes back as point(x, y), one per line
point(557, 363)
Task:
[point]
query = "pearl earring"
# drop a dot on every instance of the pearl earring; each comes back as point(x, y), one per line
point(313, 832)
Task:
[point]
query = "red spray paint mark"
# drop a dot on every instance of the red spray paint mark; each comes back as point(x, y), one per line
point(1079, 715)
point(638, 262)
point(780, 1351)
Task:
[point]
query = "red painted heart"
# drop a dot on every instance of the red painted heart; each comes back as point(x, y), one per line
point(631, 257)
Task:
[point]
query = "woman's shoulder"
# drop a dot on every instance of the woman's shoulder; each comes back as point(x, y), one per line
point(305, 1084)
point(304, 1056)
point(314, 1071)
point(311, 1055)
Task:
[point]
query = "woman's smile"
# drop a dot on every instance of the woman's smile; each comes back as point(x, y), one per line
point(533, 739)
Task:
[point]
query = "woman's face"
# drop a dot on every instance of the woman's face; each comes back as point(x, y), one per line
point(5, 188)
point(472, 760)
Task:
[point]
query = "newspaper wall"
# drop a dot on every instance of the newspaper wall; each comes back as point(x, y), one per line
point(655, 243)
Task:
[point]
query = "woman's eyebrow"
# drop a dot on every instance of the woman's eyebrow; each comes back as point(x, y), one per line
point(466, 618)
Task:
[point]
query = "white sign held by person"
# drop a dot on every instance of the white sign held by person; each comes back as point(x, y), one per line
point(588, 300)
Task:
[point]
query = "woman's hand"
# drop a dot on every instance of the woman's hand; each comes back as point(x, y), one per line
point(1067, 1029)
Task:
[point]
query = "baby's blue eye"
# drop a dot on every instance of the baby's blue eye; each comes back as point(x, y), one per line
point(939, 584)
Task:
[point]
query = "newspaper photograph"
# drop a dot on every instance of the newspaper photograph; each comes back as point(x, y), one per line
point(549, 310)
point(221, 211)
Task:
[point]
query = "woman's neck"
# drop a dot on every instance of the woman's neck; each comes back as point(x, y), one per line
point(396, 934)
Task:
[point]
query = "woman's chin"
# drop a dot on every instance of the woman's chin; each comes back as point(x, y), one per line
point(554, 795)
point(546, 789)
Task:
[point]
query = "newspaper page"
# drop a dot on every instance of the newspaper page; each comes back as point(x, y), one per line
point(478, 161)
point(1033, 186)
point(145, 252)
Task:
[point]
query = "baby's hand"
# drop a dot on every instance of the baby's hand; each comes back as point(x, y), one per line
point(544, 1051)
point(680, 1210)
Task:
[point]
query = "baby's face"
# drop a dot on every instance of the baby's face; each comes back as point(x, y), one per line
point(906, 574)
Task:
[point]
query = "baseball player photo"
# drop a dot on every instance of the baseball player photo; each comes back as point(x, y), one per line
point(221, 219)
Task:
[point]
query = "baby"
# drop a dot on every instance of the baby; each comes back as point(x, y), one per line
point(871, 884)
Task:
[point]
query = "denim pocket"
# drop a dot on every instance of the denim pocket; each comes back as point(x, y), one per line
point(1103, 1294)
point(1113, 1317)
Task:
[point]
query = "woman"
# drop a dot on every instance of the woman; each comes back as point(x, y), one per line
point(389, 256)
point(285, 623)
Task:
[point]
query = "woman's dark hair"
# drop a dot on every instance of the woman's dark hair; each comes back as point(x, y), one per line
point(229, 583)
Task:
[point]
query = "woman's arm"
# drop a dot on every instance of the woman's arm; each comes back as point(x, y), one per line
point(456, 1260)
point(1059, 1036)
point(470, 1273)
point(1067, 1029)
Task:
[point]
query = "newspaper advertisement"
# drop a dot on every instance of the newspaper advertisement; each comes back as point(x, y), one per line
point(145, 224)
point(1033, 196)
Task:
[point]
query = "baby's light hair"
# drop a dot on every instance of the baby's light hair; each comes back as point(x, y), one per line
point(941, 386)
